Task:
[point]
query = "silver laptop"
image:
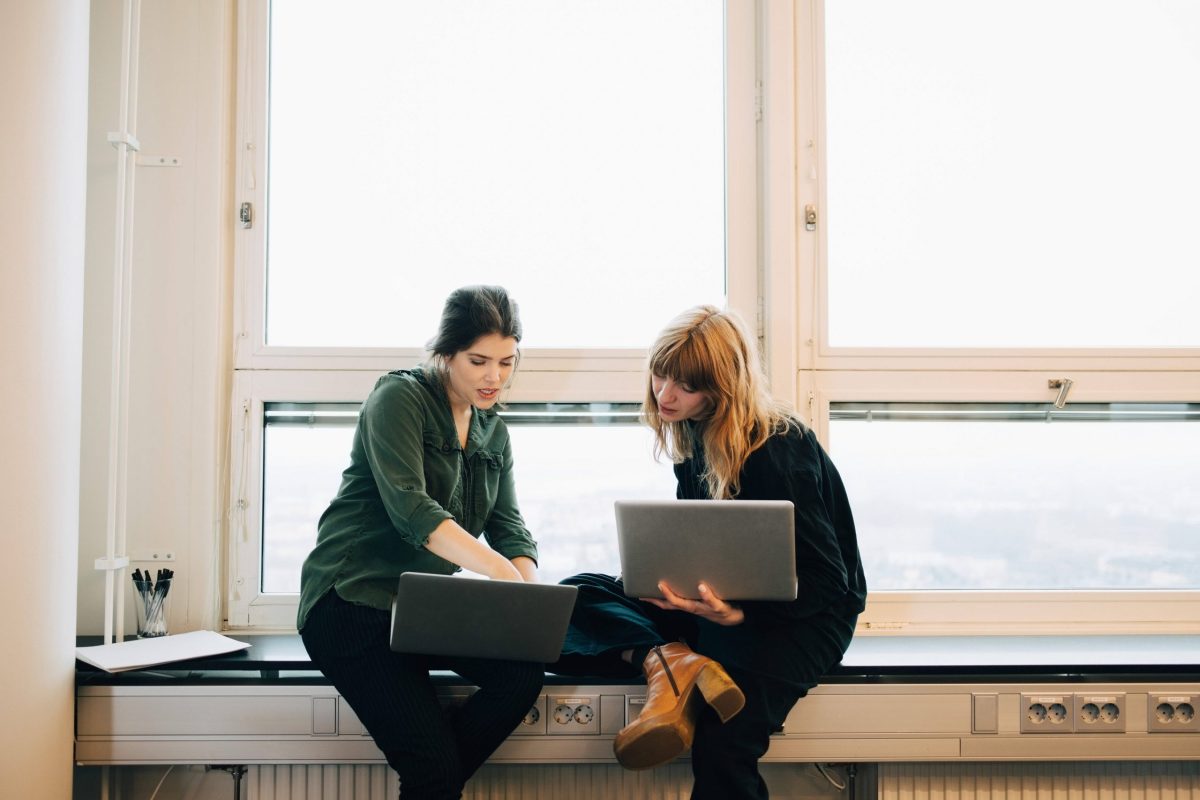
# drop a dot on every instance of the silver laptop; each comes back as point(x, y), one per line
point(445, 616)
point(743, 549)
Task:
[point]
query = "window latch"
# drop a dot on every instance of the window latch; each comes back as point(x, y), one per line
point(1064, 387)
point(810, 217)
point(246, 215)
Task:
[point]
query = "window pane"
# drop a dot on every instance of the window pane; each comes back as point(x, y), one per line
point(1017, 173)
point(571, 151)
point(1023, 496)
point(571, 463)
point(567, 479)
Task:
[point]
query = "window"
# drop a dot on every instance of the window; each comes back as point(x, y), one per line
point(599, 160)
point(999, 197)
point(1001, 191)
point(572, 460)
point(997, 173)
point(1023, 495)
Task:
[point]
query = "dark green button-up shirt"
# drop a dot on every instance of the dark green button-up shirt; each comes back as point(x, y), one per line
point(407, 474)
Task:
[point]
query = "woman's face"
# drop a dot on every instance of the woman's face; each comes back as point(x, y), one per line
point(477, 374)
point(678, 401)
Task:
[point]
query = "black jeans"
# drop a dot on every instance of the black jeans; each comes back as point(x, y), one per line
point(433, 751)
point(724, 756)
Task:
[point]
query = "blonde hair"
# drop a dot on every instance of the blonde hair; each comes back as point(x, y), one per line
point(712, 351)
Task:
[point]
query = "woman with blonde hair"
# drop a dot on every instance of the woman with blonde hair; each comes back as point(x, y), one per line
point(722, 676)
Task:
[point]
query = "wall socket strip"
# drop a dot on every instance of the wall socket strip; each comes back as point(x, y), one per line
point(1073, 713)
point(1172, 713)
point(562, 715)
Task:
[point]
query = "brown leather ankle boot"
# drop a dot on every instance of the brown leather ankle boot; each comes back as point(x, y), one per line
point(678, 682)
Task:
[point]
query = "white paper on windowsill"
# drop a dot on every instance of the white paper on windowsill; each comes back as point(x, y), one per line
point(139, 653)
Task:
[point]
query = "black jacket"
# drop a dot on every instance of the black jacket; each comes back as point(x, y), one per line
point(796, 641)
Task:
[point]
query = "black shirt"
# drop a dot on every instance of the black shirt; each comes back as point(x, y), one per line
point(801, 639)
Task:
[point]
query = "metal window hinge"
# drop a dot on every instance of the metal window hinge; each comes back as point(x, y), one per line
point(810, 217)
point(758, 101)
point(246, 215)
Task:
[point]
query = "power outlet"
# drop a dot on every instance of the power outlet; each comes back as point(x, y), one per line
point(1046, 713)
point(1100, 713)
point(534, 723)
point(572, 716)
point(1172, 713)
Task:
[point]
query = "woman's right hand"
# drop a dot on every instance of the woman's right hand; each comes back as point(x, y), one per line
point(457, 546)
point(504, 570)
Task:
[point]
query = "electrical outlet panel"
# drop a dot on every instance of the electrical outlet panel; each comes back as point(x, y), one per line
point(1046, 713)
point(534, 722)
point(1172, 713)
point(572, 716)
point(1100, 713)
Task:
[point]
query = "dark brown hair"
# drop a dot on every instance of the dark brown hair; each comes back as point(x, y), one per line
point(471, 312)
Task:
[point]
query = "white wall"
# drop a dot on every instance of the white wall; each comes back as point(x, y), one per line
point(179, 353)
point(43, 83)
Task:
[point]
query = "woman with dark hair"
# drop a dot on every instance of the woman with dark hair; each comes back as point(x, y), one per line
point(721, 676)
point(430, 470)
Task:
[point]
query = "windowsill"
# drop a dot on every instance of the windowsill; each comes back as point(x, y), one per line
point(281, 657)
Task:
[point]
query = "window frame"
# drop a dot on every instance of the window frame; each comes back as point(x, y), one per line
point(855, 374)
point(1008, 611)
point(265, 374)
point(777, 278)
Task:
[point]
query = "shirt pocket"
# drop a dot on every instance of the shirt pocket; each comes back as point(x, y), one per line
point(442, 478)
point(485, 478)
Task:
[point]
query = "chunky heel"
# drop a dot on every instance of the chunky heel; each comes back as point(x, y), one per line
point(678, 684)
point(719, 691)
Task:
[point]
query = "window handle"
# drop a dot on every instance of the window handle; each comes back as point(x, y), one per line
point(1064, 386)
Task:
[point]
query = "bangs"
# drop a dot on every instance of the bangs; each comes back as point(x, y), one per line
point(681, 360)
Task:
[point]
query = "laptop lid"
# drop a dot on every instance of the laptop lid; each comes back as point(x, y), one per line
point(743, 549)
point(446, 616)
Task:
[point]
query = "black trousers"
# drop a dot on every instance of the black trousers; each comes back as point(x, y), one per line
point(724, 756)
point(434, 751)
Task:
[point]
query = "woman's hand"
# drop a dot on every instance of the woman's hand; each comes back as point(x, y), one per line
point(457, 546)
point(709, 606)
point(504, 570)
point(527, 568)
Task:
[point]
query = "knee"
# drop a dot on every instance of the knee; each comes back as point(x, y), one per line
point(520, 680)
point(527, 681)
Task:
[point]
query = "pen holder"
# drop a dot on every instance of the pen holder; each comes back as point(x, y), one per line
point(151, 606)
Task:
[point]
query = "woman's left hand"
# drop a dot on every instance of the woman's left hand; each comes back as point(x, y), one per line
point(709, 606)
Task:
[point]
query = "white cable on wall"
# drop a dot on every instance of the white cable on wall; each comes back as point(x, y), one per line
point(115, 561)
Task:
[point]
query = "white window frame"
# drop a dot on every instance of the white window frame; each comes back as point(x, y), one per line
point(265, 374)
point(829, 374)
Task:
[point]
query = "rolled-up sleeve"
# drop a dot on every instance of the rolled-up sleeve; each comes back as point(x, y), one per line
point(392, 429)
point(505, 528)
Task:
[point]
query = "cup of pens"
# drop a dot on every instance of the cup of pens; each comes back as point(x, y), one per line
point(150, 602)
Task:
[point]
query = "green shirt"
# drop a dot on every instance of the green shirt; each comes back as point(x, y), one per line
point(407, 474)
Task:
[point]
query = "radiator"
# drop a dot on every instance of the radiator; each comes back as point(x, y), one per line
point(1141, 780)
point(1176, 780)
point(536, 782)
